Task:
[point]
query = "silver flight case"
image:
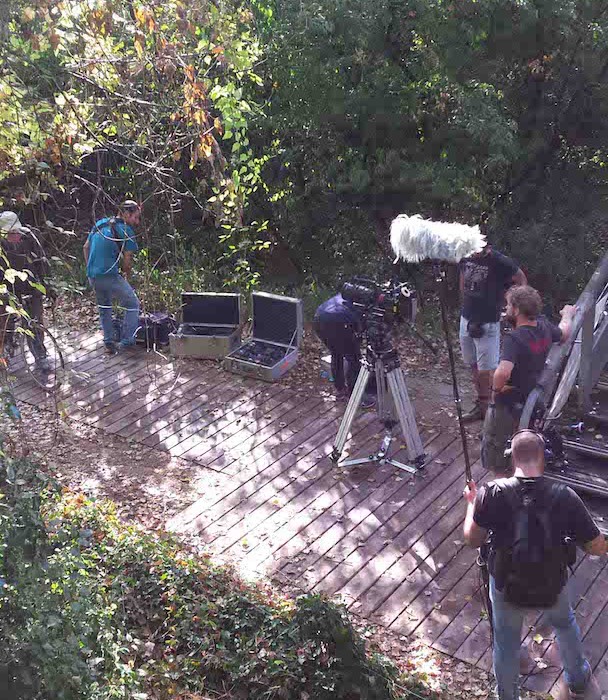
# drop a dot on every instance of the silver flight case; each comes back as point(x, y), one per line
point(211, 325)
point(276, 336)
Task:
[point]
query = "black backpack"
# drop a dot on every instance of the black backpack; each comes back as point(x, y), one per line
point(533, 568)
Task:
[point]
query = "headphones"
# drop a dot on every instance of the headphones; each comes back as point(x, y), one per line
point(509, 447)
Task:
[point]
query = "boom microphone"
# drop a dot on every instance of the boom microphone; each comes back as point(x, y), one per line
point(414, 239)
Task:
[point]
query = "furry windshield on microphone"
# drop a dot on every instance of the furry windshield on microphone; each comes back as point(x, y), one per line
point(414, 239)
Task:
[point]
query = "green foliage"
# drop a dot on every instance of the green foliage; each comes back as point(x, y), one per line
point(94, 610)
point(151, 100)
point(457, 110)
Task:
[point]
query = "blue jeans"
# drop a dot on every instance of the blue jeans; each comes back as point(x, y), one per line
point(115, 287)
point(508, 620)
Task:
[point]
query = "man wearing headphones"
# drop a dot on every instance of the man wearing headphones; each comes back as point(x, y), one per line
point(534, 526)
point(108, 251)
point(522, 358)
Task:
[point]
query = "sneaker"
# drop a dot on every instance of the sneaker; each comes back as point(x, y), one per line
point(342, 394)
point(368, 402)
point(590, 692)
point(475, 414)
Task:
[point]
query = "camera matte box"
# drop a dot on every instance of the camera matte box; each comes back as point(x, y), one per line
point(276, 336)
point(211, 325)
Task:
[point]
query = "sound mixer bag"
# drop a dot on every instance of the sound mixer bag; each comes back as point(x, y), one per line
point(154, 329)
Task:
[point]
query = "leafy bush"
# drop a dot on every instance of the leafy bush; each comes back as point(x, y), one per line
point(93, 609)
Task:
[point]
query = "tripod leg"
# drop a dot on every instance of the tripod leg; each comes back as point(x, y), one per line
point(383, 406)
point(405, 413)
point(351, 411)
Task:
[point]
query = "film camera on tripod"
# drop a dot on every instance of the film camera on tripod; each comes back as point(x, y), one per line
point(380, 306)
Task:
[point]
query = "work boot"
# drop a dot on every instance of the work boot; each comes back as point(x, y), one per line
point(590, 692)
point(111, 348)
point(478, 412)
point(43, 364)
point(368, 401)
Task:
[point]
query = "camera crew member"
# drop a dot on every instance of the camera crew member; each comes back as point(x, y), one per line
point(110, 245)
point(522, 359)
point(535, 526)
point(338, 325)
point(484, 279)
point(21, 251)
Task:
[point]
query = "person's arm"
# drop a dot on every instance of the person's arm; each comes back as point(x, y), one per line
point(502, 374)
point(474, 534)
point(519, 279)
point(565, 325)
point(597, 546)
point(127, 263)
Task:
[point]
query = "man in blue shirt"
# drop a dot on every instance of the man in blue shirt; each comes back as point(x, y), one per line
point(108, 251)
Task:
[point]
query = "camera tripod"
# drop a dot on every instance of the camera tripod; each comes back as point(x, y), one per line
point(393, 406)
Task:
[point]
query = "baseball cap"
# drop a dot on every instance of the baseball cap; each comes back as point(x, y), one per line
point(9, 221)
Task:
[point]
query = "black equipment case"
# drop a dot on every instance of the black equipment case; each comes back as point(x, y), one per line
point(154, 329)
point(211, 325)
point(276, 336)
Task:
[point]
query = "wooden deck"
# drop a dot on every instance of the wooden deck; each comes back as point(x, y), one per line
point(389, 544)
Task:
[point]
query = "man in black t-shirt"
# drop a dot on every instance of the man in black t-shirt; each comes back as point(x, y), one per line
point(484, 279)
point(522, 359)
point(490, 512)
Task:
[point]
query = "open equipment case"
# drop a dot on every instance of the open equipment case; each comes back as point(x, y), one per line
point(276, 336)
point(211, 325)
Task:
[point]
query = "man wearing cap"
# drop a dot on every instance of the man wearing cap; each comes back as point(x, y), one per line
point(108, 252)
point(21, 251)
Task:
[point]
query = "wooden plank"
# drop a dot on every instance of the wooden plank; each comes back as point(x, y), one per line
point(136, 400)
point(31, 391)
point(175, 402)
point(334, 554)
point(238, 419)
point(258, 427)
point(433, 518)
point(426, 587)
point(278, 459)
point(582, 585)
point(103, 380)
point(291, 497)
point(593, 620)
point(107, 390)
point(263, 466)
point(328, 537)
point(124, 415)
point(362, 565)
point(320, 496)
point(272, 435)
point(202, 411)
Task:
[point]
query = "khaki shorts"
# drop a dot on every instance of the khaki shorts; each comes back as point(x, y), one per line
point(483, 352)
